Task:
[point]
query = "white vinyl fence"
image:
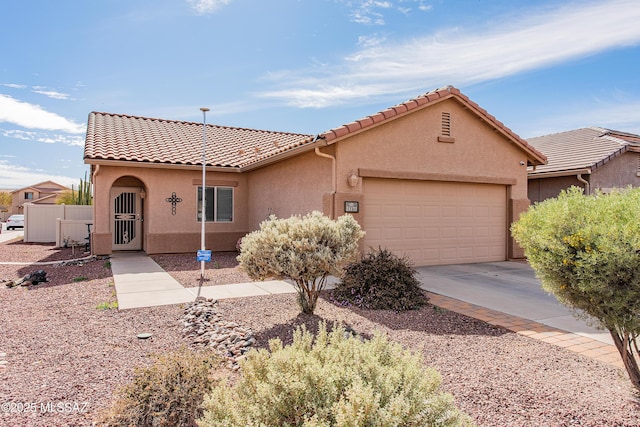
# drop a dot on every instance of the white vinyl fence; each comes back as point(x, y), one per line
point(57, 223)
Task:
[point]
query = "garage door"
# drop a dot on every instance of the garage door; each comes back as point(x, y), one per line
point(436, 223)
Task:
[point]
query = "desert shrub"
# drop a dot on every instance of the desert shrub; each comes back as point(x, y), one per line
point(382, 281)
point(167, 393)
point(333, 380)
point(306, 249)
point(586, 252)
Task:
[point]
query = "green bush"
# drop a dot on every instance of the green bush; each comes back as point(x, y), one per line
point(586, 252)
point(168, 393)
point(382, 281)
point(305, 249)
point(333, 380)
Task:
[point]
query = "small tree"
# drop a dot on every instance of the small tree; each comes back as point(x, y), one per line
point(305, 249)
point(586, 252)
point(5, 201)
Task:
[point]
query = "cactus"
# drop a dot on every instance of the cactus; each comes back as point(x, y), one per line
point(80, 197)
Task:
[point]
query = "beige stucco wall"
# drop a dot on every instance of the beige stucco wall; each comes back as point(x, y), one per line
point(410, 144)
point(294, 186)
point(546, 188)
point(163, 231)
point(619, 172)
point(410, 147)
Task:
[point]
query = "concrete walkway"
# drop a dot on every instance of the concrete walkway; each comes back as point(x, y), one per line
point(505, 294)
point(141, 282)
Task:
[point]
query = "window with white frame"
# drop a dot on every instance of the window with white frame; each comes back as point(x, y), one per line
point(219, 204)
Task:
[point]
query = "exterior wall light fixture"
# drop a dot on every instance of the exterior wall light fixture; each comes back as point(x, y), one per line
point(352, 180)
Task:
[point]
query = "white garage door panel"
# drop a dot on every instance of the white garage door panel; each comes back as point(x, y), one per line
point(436, 222)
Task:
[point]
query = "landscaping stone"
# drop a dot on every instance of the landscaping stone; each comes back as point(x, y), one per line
point(205, 327)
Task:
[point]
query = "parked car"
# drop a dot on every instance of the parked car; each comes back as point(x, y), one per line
point(15, 221)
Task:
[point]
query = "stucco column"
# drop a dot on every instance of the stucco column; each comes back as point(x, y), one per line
point(516, 208)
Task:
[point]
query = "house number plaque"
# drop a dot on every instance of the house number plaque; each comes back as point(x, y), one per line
point(351, 207)
point(174, 200)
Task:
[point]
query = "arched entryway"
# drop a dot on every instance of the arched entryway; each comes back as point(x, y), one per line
point(126, 214)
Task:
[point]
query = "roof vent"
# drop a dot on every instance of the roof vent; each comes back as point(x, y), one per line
point(446, 124)
point(445, 131)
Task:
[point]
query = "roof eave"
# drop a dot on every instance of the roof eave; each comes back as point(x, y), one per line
point(148, 165)
point(555, 174)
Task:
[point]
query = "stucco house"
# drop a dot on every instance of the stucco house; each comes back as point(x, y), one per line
point(436, 178)
point(43, 193)
point(591, 158)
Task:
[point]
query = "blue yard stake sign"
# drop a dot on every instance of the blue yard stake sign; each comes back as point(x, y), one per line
point(203, 256)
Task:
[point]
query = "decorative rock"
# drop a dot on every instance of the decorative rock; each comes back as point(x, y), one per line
point(205, 327)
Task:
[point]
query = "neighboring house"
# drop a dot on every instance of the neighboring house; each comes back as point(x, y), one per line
point(44, 193)
point(436, 178)
point(591, 158)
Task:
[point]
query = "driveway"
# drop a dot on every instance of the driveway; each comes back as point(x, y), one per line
point(7, 235)
point(509, 287)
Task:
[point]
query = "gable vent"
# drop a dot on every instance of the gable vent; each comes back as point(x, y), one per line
point(446, 124)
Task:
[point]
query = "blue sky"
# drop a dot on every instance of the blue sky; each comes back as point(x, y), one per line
point(302, 66)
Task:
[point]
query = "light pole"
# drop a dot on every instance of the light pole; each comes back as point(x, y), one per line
point(203, 215)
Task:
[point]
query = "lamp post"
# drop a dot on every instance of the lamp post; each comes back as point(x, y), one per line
point(203, 215)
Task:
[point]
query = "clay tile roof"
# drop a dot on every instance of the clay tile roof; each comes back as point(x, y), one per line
point(117, 137)
point(535, 157)
point(140, 139)
point(586, 148)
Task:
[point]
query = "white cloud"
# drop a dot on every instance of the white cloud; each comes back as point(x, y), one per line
point(14, 177)
point(366, 12)
point(461, 57)
point(33, 116)
point(14, 85)
point(43, 137)
point(51, 94)
point(203, 7)
point(370, 41)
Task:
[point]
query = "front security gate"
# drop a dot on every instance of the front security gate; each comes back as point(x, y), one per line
point(126, 221)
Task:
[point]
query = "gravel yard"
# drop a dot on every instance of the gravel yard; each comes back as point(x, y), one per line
point(65, 356)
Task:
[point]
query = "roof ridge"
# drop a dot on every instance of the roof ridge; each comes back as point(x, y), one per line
point(185, 122)
point(389, 112)
point(566, 131)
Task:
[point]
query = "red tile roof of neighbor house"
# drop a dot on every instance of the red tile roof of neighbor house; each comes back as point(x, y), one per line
point(581, 149)
point(118, 137)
